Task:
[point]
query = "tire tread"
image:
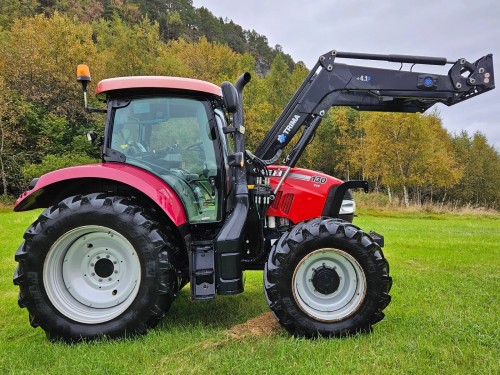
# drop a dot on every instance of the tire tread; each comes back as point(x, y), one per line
point(163, 248)
point(278, 270)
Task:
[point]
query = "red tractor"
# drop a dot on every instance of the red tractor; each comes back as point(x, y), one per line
point(178, 199)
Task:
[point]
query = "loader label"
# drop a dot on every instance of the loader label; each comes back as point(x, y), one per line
point(291, 124)
point(364, 78)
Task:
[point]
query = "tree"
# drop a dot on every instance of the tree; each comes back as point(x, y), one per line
point(265, 100)
point(128, 49)
point(480, 182)
point(11, 10)
point(8, 134)
point(257, 45)
point(349, 135)
point(83, 10)
point(323, 153)
point(213, 62)
point(171, 25)
point(234, 36)
point(210, 26)
point(43, 55)
point(409, 150)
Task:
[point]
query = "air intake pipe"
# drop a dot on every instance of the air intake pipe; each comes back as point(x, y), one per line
point(239, 118)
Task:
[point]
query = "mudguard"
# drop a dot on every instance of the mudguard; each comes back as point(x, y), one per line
point(47, 189)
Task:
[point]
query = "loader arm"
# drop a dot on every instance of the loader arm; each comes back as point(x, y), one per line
point(371, 89)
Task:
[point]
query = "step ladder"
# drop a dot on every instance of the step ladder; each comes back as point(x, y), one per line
point(202, 266)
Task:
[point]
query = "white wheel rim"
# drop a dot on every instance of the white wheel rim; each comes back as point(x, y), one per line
point(92, 274)
point(333, 306)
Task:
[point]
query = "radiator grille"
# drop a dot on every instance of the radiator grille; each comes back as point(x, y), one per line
point(287, 203)
point(276, 201)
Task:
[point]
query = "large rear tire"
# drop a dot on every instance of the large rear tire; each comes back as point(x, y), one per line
point(327, 278)
point(95, 266)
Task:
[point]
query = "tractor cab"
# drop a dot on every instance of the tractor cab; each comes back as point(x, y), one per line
point(174, 130)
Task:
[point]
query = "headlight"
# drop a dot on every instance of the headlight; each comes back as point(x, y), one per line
point(348, 207)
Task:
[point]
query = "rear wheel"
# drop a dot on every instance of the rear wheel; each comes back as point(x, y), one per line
point(327, 278)
point(94, 266)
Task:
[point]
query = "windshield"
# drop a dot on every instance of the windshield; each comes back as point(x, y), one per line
point(171, 137)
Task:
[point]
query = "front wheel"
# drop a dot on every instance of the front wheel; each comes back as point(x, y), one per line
point(327, 278)
point(93, 266)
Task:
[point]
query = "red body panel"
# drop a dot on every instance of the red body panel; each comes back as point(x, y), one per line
point(155, 188)
point(302, 195)
point(158, 82)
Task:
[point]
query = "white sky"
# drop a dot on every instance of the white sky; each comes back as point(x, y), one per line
point(453, 29)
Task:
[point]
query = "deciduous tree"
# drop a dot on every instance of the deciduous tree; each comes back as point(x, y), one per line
point(409, 150)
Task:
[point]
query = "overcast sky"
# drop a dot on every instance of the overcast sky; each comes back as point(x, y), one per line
point(451, 29)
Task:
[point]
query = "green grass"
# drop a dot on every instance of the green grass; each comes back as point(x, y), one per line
point(444, 317)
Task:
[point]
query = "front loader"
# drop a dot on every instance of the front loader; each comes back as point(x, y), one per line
point(178, 199)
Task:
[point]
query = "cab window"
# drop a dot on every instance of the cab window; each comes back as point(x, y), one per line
point(171, 137)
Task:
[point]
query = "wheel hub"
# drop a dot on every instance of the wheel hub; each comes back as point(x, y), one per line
point(329, 284)
point(325, 280)
point(92, 274)
point(104, 268)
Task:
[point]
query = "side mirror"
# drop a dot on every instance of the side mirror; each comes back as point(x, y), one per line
point(92, 138)
point(230, 97)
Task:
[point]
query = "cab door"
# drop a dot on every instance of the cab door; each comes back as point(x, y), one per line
point(178, 139)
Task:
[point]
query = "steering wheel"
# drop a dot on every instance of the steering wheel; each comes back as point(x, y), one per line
point(136, 149)
point(195, 147)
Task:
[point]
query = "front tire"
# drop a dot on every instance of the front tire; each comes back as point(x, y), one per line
point(95, 266)
point(327, 278)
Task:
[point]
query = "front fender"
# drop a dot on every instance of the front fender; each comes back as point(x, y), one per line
point(49, 186)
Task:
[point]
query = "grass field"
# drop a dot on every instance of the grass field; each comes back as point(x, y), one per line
point(444, 317)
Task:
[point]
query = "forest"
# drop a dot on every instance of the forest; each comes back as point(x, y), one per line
point(410, 158)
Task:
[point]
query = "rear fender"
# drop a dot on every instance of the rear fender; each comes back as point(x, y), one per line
point(55, 186)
